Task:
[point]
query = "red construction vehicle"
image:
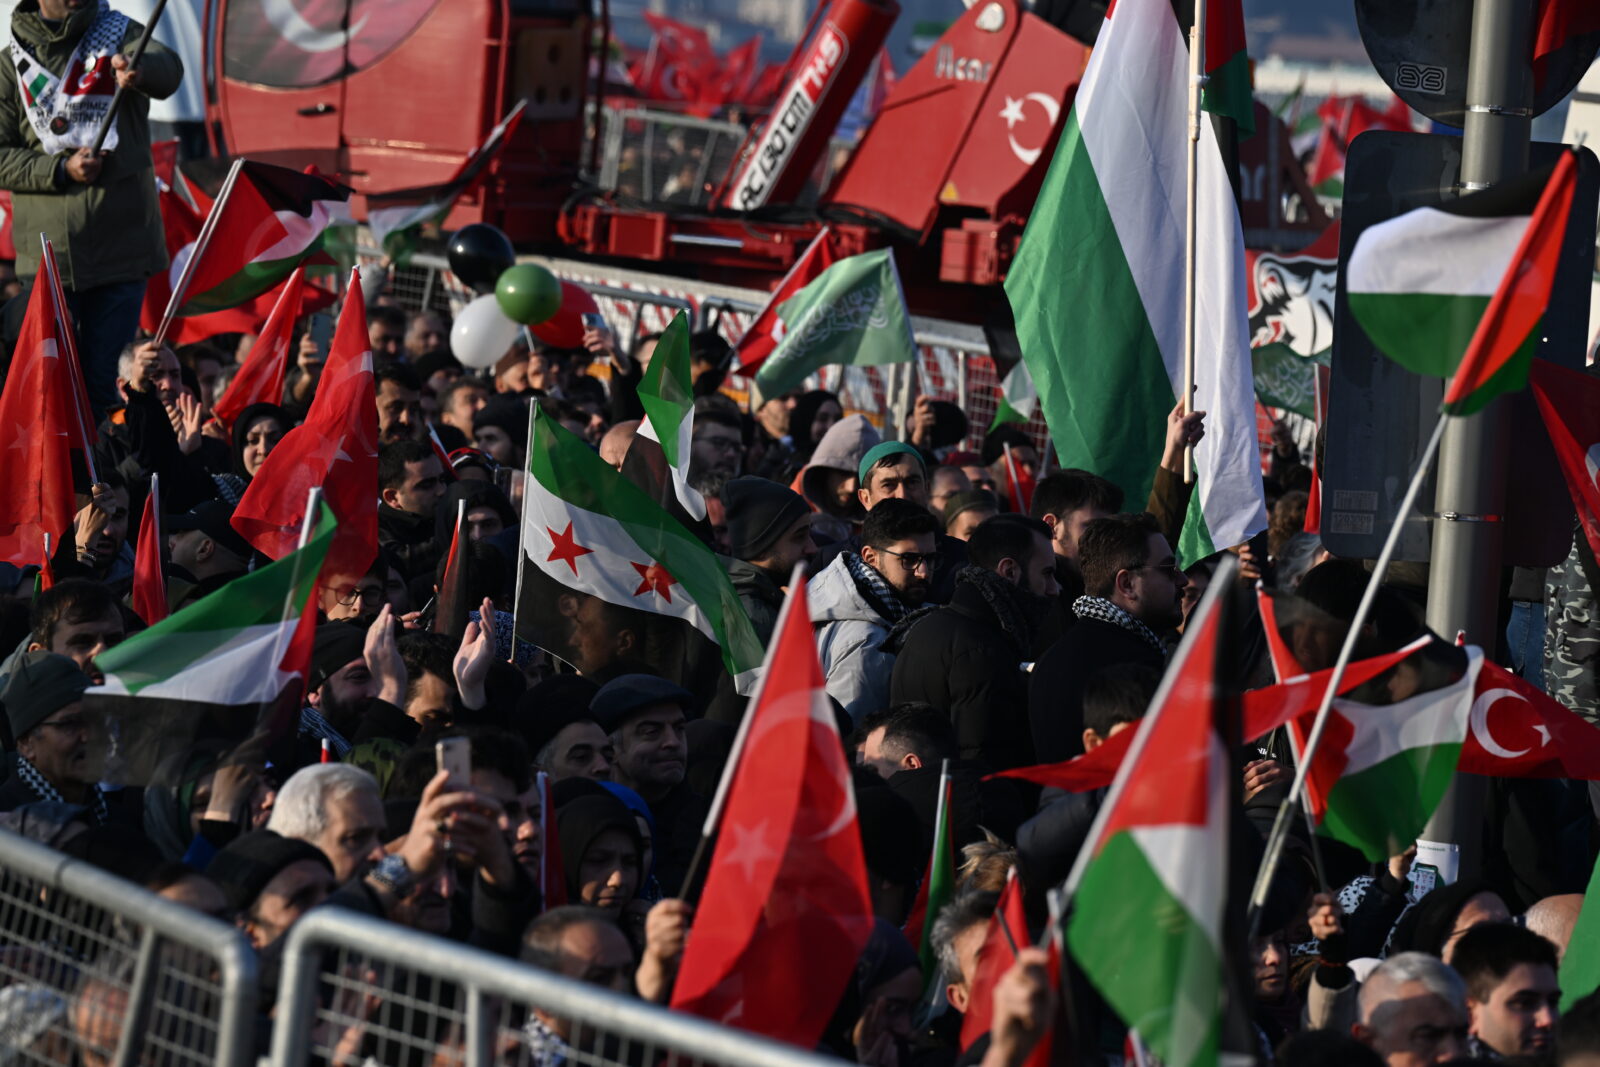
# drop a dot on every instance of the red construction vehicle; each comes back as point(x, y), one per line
point(947, 172)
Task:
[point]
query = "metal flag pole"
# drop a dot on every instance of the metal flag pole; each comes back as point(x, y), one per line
point(1280, 825)
point(1197, 77)
point(180, 290)
point(133, 64)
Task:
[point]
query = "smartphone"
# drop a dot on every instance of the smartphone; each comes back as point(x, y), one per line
point(455, 759)
point(322, 331)
point(593, 320)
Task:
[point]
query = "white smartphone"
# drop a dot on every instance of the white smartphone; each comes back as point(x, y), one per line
point(455, 759)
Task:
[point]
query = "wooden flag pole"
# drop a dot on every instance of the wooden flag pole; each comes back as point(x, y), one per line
point(52, 272)
point(187, 275)
point(133, 64)
point(1197, 70)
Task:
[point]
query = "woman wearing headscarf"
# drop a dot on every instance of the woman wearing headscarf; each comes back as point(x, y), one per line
point(256, 432)
point(649, 888)
point(601, 852)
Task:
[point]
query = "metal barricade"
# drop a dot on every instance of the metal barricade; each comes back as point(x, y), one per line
point(95, 970)
point(359, 991)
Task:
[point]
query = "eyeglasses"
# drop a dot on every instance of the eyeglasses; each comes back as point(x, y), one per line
point(350, 594)
point(913, 561)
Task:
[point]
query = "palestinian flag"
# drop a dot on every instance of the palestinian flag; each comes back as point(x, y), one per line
point(1457, 291)
point(1390, 764)
point(1228, 90)
point(1151, 880)
point(398, 218)
point(667, 395)
point(608, 577)
point(1018, 398)
point(266, 222)
point(853, 314)
point(243, 650)
point(938, 886)
point(1096, 286)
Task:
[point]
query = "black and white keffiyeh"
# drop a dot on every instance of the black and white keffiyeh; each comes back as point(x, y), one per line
point(45, 791)
point(1095, 607)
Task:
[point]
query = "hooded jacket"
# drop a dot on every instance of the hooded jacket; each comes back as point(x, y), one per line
point(840, 449)
point(761, 596)
point(110, 230)
point(850, 637)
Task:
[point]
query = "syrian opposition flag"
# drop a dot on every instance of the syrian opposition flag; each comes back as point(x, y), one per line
point(396, 219)
point(1100, 269)
point(588, 530)
point(265, 224)
point(1457, 291)
point(1150, 883)
point(260, 377)
point(242, 651)
point(36, 435)
point(335, 448)
point(1570, 403)
point(1018, 398)
point(786, 906)
point(767, 328)
point(667, 394)
point(853, 314)
point(149, 597)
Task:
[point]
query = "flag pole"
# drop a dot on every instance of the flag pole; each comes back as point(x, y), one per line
point(1280, 826)
point(720, 799)
point(1197, 50)
point(133, 65)
point(64, 330)
point(522, 540)
point(187, 275)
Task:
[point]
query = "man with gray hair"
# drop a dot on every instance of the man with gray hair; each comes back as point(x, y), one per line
point(958, 934)
point(337, 808)
point(1413, 1011)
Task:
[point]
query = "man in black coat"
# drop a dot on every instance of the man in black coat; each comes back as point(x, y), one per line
point(1133, 597)
point(410, 483)
point(966, 658)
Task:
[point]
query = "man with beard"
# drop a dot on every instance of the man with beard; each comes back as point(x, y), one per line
point(966, 658)
point(356, 687)
point(57, 742)
point(1132, 604)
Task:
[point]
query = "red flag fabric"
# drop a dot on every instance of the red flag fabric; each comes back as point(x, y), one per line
point(1008, 931)
point(786, 906)
point(36, 436)
point(451, 607)
point(182, 226)
point(553, 875)
point(1019, 484)
point(8, 242)
point(46, 578)
point(1516, 730)
point(260, 377)
point(1557, 26)
point(732, 82)
point(766, 329)
point(149, 582)
point(336, 448)
point(680, 60)
point(1569, 400)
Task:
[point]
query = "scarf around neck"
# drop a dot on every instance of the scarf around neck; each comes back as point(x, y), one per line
point(1096, 607)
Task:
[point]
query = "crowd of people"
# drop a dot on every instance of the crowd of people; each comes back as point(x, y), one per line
point(961, 631)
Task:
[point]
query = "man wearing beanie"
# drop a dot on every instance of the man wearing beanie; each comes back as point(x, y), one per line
point(56, 744)
point(769, 532)
point(355, 689)
point(500, 428)
point(270, 882)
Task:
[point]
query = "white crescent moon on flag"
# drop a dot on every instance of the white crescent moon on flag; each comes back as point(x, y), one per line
point(1479, 723)
point(293, 27)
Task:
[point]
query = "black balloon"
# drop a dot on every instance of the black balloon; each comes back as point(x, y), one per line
point(479, 253)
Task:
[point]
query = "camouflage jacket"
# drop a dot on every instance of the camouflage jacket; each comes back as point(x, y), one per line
point(1572, 632)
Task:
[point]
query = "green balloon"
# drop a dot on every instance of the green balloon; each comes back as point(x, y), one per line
point(528, 293)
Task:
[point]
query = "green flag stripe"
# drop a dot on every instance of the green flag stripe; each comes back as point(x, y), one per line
point(569, 469)
point(1511, 377)
point(1424, 333)
point(248, 283)
point(1228, 92)
point(1147, 955)
point(1382, 809)
point(666, 390)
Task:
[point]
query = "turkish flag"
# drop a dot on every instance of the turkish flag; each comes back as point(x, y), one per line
point(36, 417)
point(149, 583)
point(1517, 731)
point(1569, 400)
point(260, 376)
point(766, 329)
point(1008, 931)
point(1019, 484)
point(335, 448)
point(786, 911)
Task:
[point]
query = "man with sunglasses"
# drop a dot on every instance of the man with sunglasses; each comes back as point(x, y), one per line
point(1130, 610)
point(858, 599)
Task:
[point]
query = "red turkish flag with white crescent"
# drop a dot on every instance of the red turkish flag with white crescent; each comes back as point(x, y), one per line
point(786, 911)
point(1517, 731)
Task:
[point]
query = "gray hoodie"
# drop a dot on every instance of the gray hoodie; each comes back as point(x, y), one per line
point(850, 635)
point(840, 449)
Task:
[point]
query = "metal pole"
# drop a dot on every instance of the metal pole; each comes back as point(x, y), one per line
point(1197, 68)
point(133, 65)
point(1469, 535)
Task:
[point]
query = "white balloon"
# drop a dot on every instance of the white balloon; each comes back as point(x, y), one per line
point(482, 333)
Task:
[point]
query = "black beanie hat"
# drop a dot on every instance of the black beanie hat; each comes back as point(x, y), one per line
point(335, 645)
point(250, 861)
point(759, 511)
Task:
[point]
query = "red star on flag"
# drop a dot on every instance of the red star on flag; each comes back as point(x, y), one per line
point(655, 577)
point(564, 547)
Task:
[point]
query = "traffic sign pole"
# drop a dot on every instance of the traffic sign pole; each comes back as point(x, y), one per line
point(1469, 531)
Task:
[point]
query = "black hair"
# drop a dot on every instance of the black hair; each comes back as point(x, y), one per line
point(1004, 537)
point(1108, 546)
point(994, 445)
point(72, 601)
point(393, 457)
point(389, 316)
point(1118, 694)
point(912, 727)
point(399, 373)
point(1487, 952)
point(1579, 1031)
point(895, 520)
point(1065, 491)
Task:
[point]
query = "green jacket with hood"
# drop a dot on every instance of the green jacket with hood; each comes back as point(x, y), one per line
point(110, 230)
